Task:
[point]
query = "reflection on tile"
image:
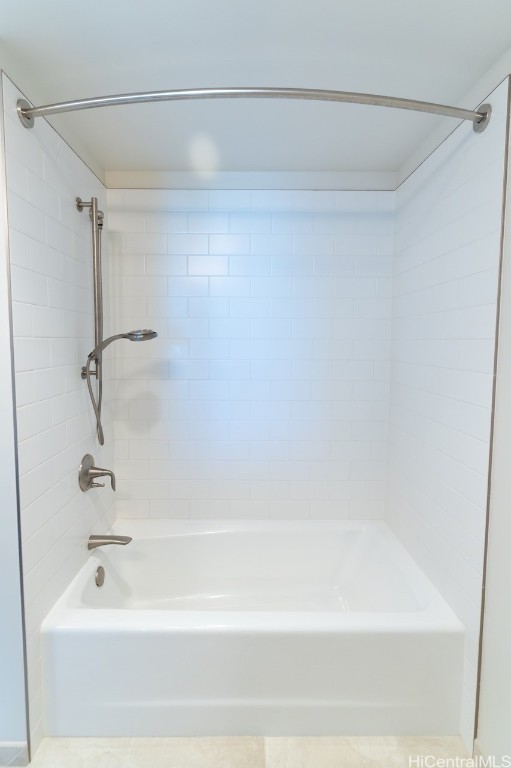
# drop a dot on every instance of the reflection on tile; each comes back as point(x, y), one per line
point(242, 752)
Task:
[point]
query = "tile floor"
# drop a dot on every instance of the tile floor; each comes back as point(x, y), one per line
point(244, 752)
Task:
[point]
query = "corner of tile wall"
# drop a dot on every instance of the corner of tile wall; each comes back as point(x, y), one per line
point(52, 305)
point(445, 290)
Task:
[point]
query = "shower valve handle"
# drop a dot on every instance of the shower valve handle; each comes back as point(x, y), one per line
point(98, 472)
point(88, 473)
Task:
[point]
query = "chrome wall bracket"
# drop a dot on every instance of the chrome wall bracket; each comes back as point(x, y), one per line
point(27, 120)
point(83, 373)
point(482, 124)
point(80, 205)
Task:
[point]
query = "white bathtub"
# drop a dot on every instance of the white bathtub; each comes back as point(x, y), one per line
point(240, 628)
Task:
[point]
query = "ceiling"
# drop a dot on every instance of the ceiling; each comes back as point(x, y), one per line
point(431, 50)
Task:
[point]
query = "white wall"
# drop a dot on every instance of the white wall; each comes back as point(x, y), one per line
point(443, 337)
point(494, 732)
point(13, 725)
point(265, 394)
point(51, 280)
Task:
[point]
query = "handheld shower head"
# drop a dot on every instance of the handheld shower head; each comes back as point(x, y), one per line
point(144, 334)
point(141, 335)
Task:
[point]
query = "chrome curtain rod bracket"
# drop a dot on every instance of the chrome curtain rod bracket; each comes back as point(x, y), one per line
point(479, 117)
point(22, 107)
point(480, 125)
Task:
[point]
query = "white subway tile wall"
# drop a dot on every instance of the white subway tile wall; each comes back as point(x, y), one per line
point(51, 283)
point(446, 266)
point(266, 392)
point(284, 321)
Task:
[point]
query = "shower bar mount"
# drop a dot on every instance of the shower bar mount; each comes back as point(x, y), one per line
point(81, 204)
point(480, 117)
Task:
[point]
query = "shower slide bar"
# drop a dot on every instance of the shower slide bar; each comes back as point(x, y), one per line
point(96, 218)
point(145, 334)
point(479, 117)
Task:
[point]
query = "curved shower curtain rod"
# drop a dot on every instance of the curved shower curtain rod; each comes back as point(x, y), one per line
point(479, 118)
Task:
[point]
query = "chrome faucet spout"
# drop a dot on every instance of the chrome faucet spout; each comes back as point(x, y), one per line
point(101, 541)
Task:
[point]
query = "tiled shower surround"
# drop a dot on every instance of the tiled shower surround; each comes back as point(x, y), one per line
point(266, 393)
point(273, 389)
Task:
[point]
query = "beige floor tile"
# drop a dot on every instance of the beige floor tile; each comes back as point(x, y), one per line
point(440, 747)
point(83, 753)
point(324, 752)
point(198, 753)
point(151, 753)
point(332, 752)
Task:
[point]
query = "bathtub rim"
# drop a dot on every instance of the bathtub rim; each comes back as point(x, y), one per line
point(67, 614)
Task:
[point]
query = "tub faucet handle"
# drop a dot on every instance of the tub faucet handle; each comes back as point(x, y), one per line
point(98, 472)
point(88, 473)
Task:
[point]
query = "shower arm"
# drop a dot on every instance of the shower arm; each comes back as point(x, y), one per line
point(480, 117)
